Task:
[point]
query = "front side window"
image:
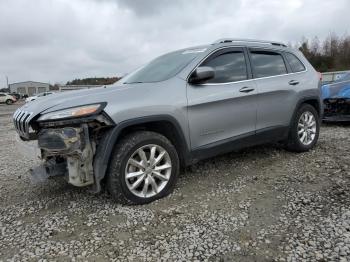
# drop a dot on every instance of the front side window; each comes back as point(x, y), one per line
point(266, 63)
point(295, 64)
point(228, 67)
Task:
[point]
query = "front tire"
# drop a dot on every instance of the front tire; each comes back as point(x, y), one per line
point(144, 167)
point(9, 102)
point(304, 130)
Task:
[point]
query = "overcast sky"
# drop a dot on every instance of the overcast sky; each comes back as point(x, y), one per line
point(59, 40)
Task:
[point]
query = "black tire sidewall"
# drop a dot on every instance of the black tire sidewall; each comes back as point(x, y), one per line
point(9, 102)
point(297, 144)
point(119, 165)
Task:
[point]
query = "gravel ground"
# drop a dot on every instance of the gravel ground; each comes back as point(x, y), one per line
point(261, 204)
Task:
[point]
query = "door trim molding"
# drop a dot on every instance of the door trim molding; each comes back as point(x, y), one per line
point(262, 136)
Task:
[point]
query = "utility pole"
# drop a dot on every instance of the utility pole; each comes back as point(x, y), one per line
point(7, 82)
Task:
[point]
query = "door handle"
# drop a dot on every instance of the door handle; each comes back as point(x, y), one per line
point(246, 89)
point(293, 82)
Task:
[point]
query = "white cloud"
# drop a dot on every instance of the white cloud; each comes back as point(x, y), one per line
point(58, 40)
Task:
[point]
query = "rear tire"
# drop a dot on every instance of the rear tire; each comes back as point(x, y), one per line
point(304, 130)
point(144, 167)
point(9, 102)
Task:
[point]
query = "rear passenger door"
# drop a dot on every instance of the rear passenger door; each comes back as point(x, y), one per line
point(223, 107)
point(276, 97)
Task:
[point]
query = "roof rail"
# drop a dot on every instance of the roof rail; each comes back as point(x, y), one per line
point(230, 40)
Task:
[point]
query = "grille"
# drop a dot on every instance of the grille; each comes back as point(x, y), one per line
point(21, 121)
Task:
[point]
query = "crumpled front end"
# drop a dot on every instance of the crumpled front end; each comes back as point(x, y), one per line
point(336, 99)
point(67, 147)
point(72, 149)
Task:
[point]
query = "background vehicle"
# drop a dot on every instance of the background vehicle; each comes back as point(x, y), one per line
point(15, 95)
point(336, 98)
point(6, 98)
point(182, 107)
point(34, 97)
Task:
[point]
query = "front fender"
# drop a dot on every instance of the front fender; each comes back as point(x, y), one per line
point(106, 145)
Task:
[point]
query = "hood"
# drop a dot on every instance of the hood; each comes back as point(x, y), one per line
point(336, 90)
point(68, 99)
point(24, 115)
point(115, 95)
point(120, 99)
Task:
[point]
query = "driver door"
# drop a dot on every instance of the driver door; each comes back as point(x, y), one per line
point(223, 108)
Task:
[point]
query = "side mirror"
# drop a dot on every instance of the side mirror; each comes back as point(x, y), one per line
point(201, 74)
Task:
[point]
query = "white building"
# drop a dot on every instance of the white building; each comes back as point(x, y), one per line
point(29, 87)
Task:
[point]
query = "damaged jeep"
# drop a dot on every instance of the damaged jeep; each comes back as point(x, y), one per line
point(336, 99)
point(132, 137)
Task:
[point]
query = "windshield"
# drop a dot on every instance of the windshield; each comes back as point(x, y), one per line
point(163, 67)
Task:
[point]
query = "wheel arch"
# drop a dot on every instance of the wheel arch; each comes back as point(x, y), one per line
point(163, 124)
point(293, 142)
point(314, 101)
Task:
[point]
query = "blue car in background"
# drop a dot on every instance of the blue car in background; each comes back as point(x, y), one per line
point(336, 99)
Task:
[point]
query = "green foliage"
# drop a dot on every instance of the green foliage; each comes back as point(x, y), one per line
point(332, 54)
point(94, 81)
point(5, 90)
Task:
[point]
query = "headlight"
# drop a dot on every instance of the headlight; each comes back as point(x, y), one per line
point(72, 112)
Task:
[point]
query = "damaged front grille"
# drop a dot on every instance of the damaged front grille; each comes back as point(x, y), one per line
point(337, 107)
point(21, 122)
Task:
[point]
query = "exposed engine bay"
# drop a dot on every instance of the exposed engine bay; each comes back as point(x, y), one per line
point(334, 107)
point(336, 100)
point(68, 149)
point(70, 145)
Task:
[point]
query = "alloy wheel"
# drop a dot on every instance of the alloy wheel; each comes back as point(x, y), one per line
point(307, 128)
point(148, 171)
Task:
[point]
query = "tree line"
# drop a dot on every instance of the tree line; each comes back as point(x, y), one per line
point(330, 54)
point(94, 81)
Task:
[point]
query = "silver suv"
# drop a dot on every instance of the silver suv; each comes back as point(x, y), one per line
point(182, 107)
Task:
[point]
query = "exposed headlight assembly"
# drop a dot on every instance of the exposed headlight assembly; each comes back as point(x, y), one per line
point(73, 112)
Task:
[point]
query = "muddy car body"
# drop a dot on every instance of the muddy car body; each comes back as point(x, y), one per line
point(336, 99)
point(180, 108)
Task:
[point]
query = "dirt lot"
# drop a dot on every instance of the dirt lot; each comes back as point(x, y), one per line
point(261, 204)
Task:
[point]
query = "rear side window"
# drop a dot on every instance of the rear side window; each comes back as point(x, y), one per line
point(229, 67)
point(295, 64)
point(266, 63)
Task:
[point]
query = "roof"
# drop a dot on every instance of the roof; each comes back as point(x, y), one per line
point(29, 82)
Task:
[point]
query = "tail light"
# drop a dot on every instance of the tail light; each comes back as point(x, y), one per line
point(320, 76)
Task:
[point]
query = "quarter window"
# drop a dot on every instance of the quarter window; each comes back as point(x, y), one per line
point(295, 64)
point(228, 67)
point(267, 63)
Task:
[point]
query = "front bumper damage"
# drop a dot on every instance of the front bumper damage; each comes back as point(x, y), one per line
point(67, 148)
point(336, 109)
